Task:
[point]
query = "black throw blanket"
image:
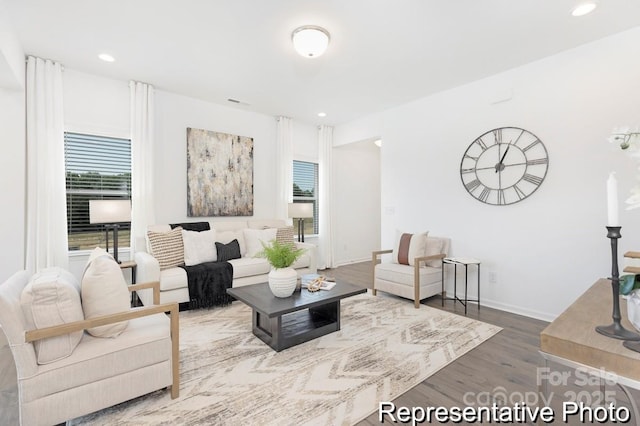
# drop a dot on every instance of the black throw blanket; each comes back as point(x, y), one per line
point(208, 284)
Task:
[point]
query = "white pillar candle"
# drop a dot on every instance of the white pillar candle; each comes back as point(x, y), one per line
point(612, 201)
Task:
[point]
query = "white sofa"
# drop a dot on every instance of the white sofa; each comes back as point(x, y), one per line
point(246, 270)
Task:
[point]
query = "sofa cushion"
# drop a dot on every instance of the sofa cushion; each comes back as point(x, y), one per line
point(285, 236)
point(254, 238)
point(228, 251)
point(104, 292)
point(145, 342)
point(52, 297)
point(403, 274)
point(249, 266)
point(408, 247)
point(167, 247)
point(173, 278)
point(199, 247)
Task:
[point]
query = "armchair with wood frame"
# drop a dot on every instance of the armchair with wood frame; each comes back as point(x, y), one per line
point(419, 279)
point(100, 372)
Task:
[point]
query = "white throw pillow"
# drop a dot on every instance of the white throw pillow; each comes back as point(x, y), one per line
point(52, 297)
point(104, 292)
point(408, 247)
point(199, 247)
point(255, 237)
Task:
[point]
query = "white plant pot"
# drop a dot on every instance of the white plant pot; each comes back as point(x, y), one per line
point(282, 282)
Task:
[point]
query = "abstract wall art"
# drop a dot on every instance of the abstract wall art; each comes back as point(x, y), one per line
point(219, 174)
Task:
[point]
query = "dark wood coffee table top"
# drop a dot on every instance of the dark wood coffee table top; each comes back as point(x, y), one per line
point(260, 298)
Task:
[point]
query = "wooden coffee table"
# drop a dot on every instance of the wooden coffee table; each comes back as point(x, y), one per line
point(285, 322)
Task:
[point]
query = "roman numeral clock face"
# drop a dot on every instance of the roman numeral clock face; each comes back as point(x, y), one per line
point(504, 166)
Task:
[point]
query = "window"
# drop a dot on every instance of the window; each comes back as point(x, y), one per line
point(97, 168)
point(305, 190)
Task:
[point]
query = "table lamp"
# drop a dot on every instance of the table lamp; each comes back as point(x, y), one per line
point(300, 211)
point(110, 212)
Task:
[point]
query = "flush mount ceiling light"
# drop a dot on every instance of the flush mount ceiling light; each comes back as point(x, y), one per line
point(322, 114)
point(106, 57)
point(584, 8)
point(310, 41)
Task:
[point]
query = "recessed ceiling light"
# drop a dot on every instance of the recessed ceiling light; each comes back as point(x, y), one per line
point(106, 57)
point(583, 9)
point(322, 114)
point(378, 142)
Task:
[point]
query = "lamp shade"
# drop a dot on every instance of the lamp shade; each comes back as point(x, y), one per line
point(300, 210)
point(310, 41)
point(109, 211)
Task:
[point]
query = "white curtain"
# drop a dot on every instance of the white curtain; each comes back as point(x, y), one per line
point(46, 227)
point(142, 159)
point(284, 166)
point(325, 186)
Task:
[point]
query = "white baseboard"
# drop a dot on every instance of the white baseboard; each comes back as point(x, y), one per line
point(351, 261)
point(518, 310)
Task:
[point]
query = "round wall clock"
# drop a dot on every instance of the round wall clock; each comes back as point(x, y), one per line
point(504, 166)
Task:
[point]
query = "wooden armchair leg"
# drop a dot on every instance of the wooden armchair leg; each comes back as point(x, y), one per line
point(175, 353)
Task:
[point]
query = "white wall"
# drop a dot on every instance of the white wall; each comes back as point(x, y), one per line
point(174, 113)
point(546, 250)
point(12, 160)
point(356, 201)
point(100, 105)
point(305, 142)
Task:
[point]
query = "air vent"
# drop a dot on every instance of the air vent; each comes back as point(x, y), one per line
point(235, 101)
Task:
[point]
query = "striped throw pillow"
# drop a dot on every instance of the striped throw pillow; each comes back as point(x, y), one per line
point(408, 247)
point(167, 247)
point(285, 236)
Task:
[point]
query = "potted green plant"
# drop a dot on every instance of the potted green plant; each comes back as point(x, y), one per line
point(282, 278)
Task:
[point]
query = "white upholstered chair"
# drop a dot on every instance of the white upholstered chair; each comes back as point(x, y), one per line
point(100, 372)
point(418, 281)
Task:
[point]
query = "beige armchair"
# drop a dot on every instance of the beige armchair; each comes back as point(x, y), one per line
point(100, 372)
point(418, 281)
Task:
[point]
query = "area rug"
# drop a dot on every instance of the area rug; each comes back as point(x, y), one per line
point(230, 377)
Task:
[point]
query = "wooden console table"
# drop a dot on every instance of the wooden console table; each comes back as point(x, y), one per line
point(571, 340)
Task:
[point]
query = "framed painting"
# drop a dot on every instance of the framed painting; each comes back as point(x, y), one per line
point(219, 174)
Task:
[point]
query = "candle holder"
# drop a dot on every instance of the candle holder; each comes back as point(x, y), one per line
point(616, 330)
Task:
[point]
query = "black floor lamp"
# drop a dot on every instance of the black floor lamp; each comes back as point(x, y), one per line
point(111, 213)
point(300, 211)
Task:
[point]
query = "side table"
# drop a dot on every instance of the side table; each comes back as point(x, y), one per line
point(130, 264)
point(463, 261)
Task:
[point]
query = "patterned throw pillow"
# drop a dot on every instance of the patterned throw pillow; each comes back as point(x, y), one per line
point(167, 247)
point(228, 251)
point(408, 247)
point(285, 236)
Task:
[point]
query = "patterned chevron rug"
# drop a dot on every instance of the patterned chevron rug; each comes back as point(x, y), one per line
point(230, 377)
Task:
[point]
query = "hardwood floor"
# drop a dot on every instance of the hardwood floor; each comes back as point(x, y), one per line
point(504, 367)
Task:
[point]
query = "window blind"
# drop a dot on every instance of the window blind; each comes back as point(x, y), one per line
point(305, 190)
point(97, 167)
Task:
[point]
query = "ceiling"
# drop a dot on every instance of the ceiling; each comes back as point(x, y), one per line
point(383, 53)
